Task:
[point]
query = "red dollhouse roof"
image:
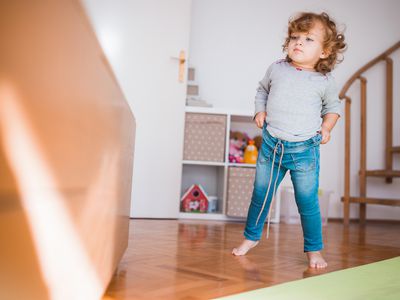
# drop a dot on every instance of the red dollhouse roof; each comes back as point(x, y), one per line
point(195, 188)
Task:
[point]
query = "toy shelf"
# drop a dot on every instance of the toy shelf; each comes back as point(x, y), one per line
point(203, 163)
point(241, 165)
point(202, 216)
point(213, 176)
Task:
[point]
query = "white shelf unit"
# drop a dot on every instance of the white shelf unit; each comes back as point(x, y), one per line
point(213, 176)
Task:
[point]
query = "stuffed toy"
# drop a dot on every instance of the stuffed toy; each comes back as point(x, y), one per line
point(237, 144)
point(257, 141)
point(250, 153)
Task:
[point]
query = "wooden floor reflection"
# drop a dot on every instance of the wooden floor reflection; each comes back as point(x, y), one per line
point(169, 259)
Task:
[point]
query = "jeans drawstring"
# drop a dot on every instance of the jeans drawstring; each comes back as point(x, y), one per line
point(269, 185)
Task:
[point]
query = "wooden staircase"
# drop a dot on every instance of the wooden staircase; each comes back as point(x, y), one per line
point(388, 173)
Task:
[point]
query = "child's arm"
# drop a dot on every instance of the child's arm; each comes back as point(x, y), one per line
point(331, 110)
point(259, 118)
point(261, 99)
point(328, 123)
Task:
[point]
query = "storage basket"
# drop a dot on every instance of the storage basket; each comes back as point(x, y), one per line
point(240, 188)
point(204, 137)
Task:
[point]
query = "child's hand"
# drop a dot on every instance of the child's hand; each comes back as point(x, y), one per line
point(326, 135)
point(260, 119)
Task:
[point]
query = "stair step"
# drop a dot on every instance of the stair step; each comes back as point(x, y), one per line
point(382, 173)
point(396, 149)
point(192, 90)
point(191, 74)
point(378, 201)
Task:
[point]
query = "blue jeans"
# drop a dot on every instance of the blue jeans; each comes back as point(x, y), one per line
point(275, 158)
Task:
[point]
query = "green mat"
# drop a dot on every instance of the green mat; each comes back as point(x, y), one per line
point(380, 281)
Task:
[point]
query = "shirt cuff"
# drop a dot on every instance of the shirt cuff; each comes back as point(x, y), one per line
point(254, 116)
point(331, 112)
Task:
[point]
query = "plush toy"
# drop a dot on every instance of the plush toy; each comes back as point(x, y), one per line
point(257, 141)
point(250, 153)
point(237, 144)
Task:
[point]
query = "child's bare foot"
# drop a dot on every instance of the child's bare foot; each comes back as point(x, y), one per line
point(244, 247)
point(315, 260)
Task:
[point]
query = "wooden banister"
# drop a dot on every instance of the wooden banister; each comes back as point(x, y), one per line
point(363, 156)
point(389, 117)
point(369, 65)
point(388, 173)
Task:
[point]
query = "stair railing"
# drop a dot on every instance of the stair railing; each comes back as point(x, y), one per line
point(388, 173)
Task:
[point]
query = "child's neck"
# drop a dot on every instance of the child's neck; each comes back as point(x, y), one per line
point(302, 67)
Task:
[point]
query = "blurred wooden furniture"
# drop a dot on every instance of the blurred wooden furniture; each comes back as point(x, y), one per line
point(66, 155)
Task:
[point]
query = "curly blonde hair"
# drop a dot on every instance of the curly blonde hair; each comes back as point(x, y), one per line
point(333, 41)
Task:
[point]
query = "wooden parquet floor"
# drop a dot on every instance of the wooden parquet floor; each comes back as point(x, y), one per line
point(170, 259)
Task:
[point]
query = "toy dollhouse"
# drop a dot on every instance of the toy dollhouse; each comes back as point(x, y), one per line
point(194, 200)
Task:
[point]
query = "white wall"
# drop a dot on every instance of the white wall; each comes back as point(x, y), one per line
point(140, 38)
point(233, 42)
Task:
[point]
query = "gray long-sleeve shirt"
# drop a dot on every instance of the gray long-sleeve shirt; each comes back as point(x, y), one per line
point(295, 101)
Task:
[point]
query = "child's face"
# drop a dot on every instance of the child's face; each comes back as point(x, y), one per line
point(306, 48)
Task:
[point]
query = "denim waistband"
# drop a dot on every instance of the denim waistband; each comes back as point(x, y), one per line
point(291, 147)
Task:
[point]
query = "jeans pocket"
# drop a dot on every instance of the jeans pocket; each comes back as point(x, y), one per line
point(305, 161)
point(318, 137)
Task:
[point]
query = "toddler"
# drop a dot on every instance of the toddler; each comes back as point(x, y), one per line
point(297, 106)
